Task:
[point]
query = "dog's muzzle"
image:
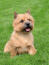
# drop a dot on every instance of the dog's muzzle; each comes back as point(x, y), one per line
point(27, 27)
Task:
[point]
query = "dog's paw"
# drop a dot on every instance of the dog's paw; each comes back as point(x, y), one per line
point(32, 52)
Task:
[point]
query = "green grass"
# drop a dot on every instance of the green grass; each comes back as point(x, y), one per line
point(40, 12)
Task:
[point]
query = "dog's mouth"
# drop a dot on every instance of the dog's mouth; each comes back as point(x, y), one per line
point(27, 29)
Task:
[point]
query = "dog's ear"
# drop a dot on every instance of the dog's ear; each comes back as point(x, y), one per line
point(15, 15)
point(28, 12)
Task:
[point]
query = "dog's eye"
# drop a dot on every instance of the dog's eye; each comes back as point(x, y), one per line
point(22, 21)
point(29, 19)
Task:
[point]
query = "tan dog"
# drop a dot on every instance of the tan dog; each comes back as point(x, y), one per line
point(21, 40)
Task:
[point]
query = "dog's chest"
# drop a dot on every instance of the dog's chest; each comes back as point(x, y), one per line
point(23, 39)
point(26, 39)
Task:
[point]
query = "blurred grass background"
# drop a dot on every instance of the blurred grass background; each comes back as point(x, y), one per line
point(40, 11)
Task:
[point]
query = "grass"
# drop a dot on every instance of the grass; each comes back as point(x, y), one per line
point(40, 12)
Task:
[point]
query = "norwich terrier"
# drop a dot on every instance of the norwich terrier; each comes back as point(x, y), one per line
point(21, 40)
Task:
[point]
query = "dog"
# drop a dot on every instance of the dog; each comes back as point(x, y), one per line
point(21, 40)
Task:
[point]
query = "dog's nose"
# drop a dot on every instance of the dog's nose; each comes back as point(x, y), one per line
point(28, 24)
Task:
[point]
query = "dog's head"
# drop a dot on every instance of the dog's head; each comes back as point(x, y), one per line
point(23, 22)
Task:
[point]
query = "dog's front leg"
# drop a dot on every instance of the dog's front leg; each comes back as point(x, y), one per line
point(31, 50)
point(13, 52)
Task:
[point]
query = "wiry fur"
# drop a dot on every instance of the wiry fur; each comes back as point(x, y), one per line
point(21, 42)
